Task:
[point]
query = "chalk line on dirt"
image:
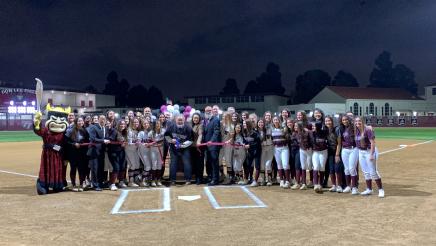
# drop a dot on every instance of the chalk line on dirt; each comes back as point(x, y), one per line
point(166, 204)
point(215, 204)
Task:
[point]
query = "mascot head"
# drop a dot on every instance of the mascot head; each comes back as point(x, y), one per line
point(57, 118)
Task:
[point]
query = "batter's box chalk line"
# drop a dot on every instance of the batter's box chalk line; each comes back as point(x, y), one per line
point(166, 205)
point(216, 205)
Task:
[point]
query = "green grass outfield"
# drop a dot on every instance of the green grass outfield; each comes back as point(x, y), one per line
point(381, 133)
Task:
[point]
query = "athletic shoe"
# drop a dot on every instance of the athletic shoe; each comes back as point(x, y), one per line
point(333, 189)
point(145, 184)
point(113, 187)
point(269, 183)
point(241, 182)
point(158, 183)
point(338, 189)
point(122, 185)
point(80, 189)
point(367, 192)
point(303, 187)
point(310, 185)
point(153, 184)
point(354, 191)
point(286, 185)
point(381, 193)
point(98, 189)
point(295, 187)
point(131, 184)
point(188, 183)
point(347, 189)
point(318, 189)
point(254, 184)
point(263, 183)
point(282, 183)
point(75, 189)
point(293, 182)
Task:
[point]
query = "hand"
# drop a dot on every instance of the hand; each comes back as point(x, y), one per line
point(77, 145)
point(106, 141)
point(123, 144)
point(337, 159)
point(173, 141)
point(209, 143)
point(247, 146)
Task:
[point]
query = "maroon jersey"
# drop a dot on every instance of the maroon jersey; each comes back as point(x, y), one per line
point(347, 138)
point(364, 143)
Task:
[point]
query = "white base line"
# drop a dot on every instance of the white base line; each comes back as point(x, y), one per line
point(215, 204)
point(20, 174)
point(403, 147)
point(166, 204)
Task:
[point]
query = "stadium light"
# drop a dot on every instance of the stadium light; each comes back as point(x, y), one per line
point(33, 103)
point(11, 103)
point(52, 91)
point(24, 103)
point(65, 92)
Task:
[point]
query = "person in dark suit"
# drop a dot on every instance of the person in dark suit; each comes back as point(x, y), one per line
point(211, 133)
point(95, 152)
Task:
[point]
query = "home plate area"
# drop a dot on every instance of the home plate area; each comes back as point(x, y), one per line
point(155, 200)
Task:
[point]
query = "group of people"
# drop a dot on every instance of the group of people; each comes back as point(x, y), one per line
point(234, 148)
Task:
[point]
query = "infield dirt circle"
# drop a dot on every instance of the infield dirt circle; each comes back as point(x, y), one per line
point(405, 217)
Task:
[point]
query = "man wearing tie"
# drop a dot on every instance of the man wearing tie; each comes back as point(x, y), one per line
point(95, 152)
point(212, 134)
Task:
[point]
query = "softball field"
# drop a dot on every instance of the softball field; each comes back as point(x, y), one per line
point(224, 215)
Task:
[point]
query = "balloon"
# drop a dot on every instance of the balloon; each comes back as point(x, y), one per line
point(182, 108)
point(170, 108)
point(163, 108)
point(176, 107)
point(188, 108)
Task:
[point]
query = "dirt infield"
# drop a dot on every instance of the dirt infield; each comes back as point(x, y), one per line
point(405, 217)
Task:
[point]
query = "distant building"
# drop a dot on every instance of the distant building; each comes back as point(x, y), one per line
point(17, 105)
point(252, 103)
point(370, 102)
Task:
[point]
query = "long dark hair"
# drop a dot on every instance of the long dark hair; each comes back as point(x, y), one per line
point(75, 129)
point(350, 126)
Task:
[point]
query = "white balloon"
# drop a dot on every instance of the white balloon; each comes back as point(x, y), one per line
point(170, 108)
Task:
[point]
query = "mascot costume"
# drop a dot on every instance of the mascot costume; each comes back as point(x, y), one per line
point(52, 161)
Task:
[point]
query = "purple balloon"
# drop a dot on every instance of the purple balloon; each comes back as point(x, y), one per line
point(188, 109)
point(163, 108)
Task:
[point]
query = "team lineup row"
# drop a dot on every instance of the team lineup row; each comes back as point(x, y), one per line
point(253, 150)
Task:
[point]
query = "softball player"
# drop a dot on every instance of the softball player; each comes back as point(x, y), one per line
point(144, 151)
point(281, 152)
point(131, 150)
point(156, 151)
point(304, 141)
point(365, 142)
point(239, 154)
point(319, 155)
point(334, 160)
point(348, 154)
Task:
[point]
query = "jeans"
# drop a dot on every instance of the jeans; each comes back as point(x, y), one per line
point(185, 156)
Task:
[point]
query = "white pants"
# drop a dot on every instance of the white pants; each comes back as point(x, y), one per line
point(369, 167)
point(132, 157)
point(306, 159)
point(319, 158)
point(226, 154)
point(145, 155)
point(282, 157)
point(266, 157)
point(349, 158)
point(239, 154)
point(156, 157)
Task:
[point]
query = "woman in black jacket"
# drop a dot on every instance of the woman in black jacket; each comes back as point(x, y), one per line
point(76, 136)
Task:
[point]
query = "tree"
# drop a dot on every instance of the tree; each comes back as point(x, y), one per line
point(112, 85)
point(385, 75)
point(155, 97)
point(309, 84)
point(269, 81)
point(117, 88)
point(230, 88)
point(404, 78)
point(91, 89)
point(343, 78)
point(136, 96)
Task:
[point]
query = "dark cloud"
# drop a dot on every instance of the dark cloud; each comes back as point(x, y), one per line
point(198, 44)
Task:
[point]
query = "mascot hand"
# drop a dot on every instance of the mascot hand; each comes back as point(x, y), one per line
point(37, 120)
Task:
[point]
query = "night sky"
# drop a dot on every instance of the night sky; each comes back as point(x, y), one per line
point(189, 47)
